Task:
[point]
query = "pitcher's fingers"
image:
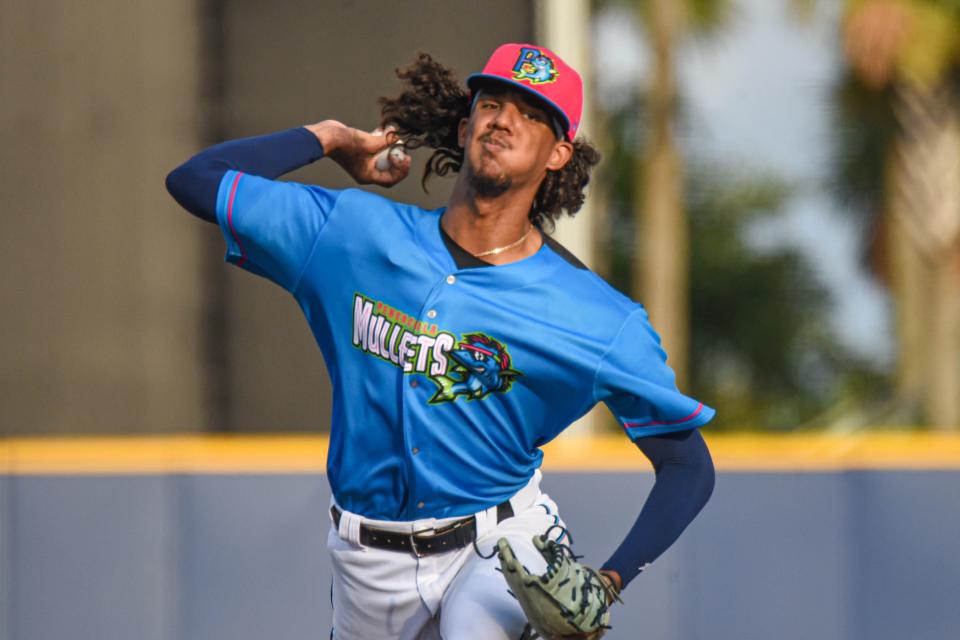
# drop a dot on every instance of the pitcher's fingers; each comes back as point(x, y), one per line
point(390, 131)
point(382, 162)
point(399, 170)
point(371, 142)
point(390, 176)
point(393, 161)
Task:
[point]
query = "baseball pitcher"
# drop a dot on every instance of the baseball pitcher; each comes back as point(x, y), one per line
point(459, 341)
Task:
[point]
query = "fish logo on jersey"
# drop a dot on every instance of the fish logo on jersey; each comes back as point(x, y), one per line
point(481, 366)
point(534, 67)
point(471, 368)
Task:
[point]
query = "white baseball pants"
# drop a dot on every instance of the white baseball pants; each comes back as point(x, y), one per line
point(458, 595)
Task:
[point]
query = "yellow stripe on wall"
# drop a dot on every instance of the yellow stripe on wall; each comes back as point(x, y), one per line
point(164, 454)
point(267, 454)
point(785, 453)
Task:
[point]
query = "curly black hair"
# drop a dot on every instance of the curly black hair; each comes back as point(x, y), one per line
point(428, 112)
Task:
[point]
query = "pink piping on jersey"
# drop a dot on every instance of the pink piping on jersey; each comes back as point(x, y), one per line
point(654, 424)
point(233, 232)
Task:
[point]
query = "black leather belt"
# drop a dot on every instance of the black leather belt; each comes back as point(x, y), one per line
point(455, 535)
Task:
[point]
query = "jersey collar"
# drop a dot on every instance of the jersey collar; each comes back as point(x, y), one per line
point(513, 274)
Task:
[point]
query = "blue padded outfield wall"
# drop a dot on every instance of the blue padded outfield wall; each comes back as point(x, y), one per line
point(825, 554)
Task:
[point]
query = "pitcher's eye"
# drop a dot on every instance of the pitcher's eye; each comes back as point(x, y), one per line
point(479, 357)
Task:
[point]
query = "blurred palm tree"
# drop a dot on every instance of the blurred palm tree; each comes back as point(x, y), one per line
point(905, 58)
point(758, 321)
point(661, 275)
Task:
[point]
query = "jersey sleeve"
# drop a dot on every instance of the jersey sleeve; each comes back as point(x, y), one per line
point(270, 227)
point(634, 381)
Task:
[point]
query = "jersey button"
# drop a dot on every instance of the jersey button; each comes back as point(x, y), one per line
point(451, 279)
point(421, 505)
point(414, 384)
point(416, 451)
point(432, 313)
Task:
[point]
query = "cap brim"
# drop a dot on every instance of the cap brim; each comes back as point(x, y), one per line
point(477, 80)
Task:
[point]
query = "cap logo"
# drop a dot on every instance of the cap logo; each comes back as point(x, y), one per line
point(534, 67)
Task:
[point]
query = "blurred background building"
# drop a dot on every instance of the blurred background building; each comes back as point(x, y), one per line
point(780, 189)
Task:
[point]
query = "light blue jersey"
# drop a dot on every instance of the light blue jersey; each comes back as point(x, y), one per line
point(446, 381)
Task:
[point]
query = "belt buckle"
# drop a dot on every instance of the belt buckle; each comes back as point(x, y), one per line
point(442, 531)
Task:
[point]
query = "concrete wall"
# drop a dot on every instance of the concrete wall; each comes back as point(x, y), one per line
point(100, 278)
point(864, 555)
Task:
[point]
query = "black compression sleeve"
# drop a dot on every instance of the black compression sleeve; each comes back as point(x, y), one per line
point(684, 482)
point(194, 184)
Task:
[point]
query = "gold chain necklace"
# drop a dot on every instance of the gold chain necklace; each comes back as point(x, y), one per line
point(493, 252)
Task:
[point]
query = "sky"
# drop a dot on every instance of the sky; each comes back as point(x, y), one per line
point(757, 94)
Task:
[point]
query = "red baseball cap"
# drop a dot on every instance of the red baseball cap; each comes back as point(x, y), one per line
point(538, 71)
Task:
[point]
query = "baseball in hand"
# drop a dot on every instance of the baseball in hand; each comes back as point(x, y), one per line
point(392, 156)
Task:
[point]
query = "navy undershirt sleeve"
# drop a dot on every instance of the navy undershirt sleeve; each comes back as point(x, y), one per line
point(195, 183)
point(684, 482)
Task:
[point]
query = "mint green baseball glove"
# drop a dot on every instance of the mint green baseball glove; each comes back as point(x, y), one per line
point(570, 600)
